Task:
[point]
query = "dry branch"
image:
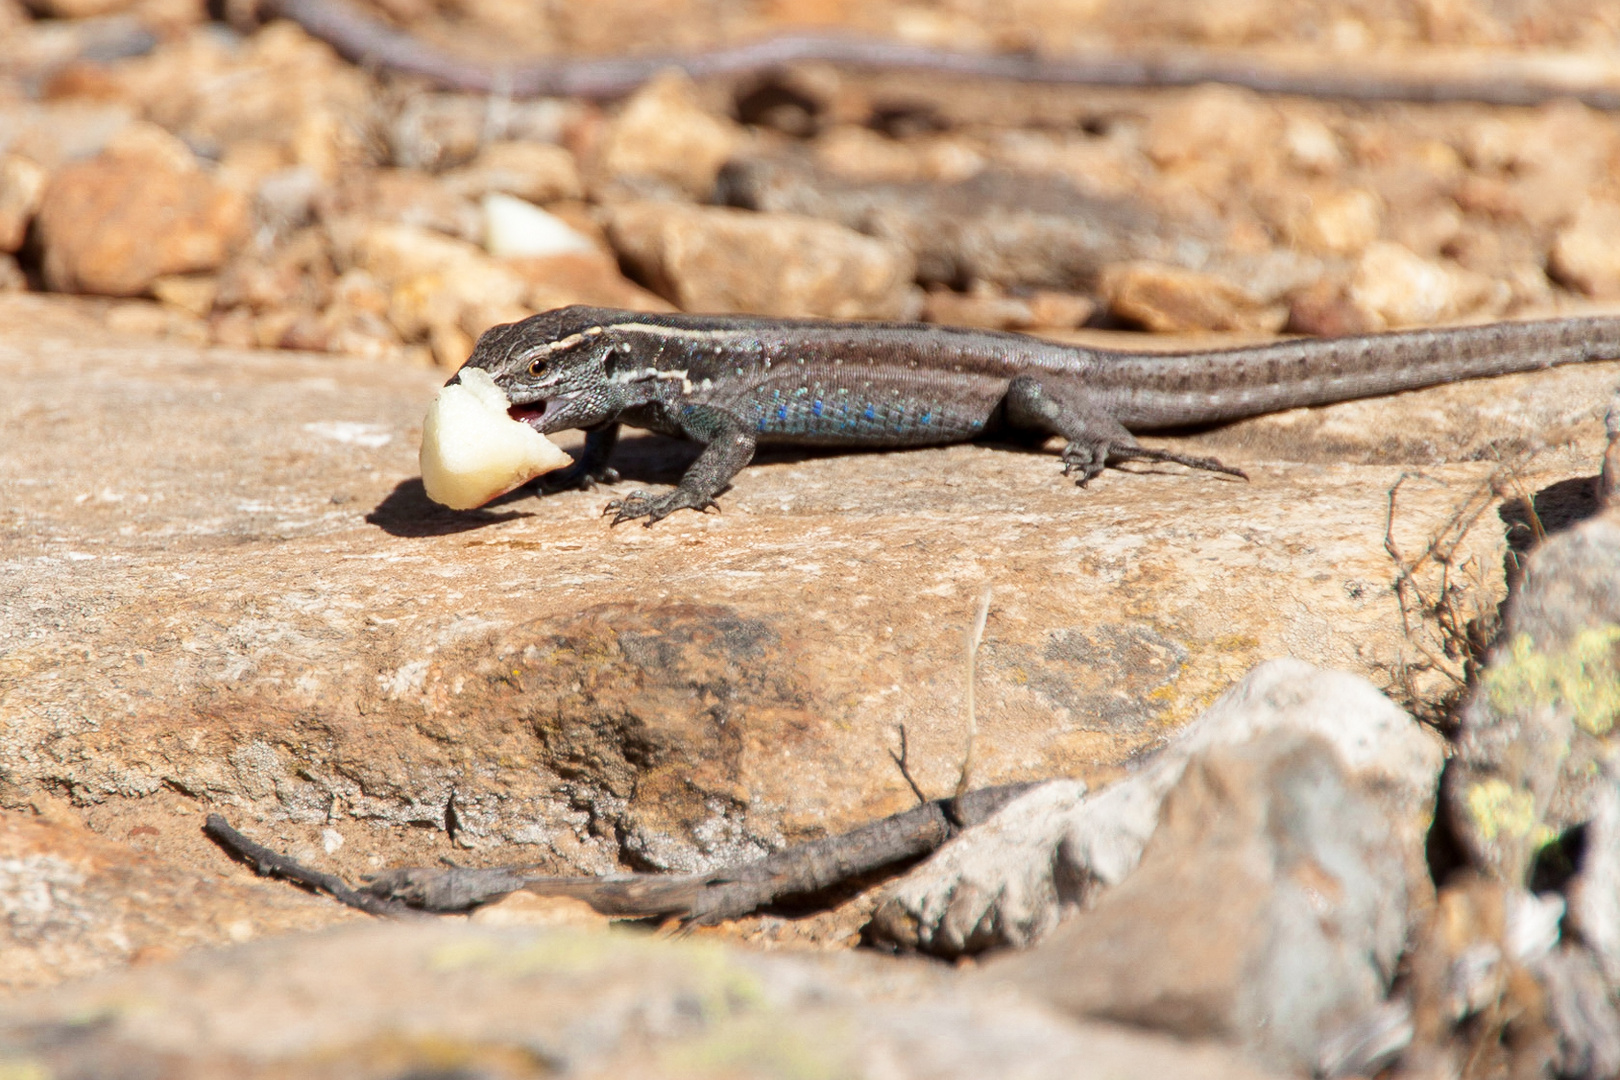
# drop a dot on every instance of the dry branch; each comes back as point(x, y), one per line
point(803, 871)
point(367, 40)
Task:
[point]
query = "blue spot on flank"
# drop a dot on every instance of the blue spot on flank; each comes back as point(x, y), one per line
point(816, 408)
point(871, 414)
point(781, 413)
point(762, 423)
point(775, 394)
point(927, 417)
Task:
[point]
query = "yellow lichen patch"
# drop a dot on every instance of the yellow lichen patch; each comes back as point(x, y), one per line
point(1583, 678)
point(1499, 810)
point(762, 1045)
point(26, 1069)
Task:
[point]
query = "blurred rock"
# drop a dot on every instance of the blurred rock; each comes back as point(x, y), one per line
point(440, 290)
point(12, 278)
point(78, 9)
point(116, 223)
point(1536, 730)
point(1169, 299)
point(1338, 222)
point(1395, 287)
point(1008, 881)
point(285, 199)
point(52, 133)
point(664, 136)
point(193, 294)
point(534, 172)
point(1594, 894)
point(73, 903)
point(1580, 1013)
point(1000, 227)
point(1491, 954)
point(287, 93)
point(403, 197)
point(581, 277)
point(1213, 127)
point(1586, 253)
point(1269, 909)
point(718, 259)
point(296, 273)
point(22, 187)
point(375, 1002)
point(517, 229)
point(1326, 310)
point(983, 306)
point(444, 131)
point(1608, 483)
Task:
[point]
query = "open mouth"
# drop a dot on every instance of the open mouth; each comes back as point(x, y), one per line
point(528, 414)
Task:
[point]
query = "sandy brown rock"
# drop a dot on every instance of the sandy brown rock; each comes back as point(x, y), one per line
point(73, 903)
point(116, 223)
point(1171, 300)
point(1584, 254)
point(1395, 287)
point(440, 289)
point(1042, 309)
point(532, 171)
point(291, 99)
point(22, 185)
point(719, 259)
point(389, 1001)
point(592, 278)
point(247, 599)
point(664, 135)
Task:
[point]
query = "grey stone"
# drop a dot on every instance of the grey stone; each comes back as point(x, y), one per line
point(1538, 727)
point(1057, 846)
point(1269, 909)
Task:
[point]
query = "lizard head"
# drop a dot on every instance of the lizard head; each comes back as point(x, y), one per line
point(554, 367)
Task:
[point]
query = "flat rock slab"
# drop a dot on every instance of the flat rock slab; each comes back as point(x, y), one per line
point(387, 1002)
point(222, 588)
point(73, 903)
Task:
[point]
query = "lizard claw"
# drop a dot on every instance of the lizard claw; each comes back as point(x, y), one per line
point(1089, 460)
point(638, 504)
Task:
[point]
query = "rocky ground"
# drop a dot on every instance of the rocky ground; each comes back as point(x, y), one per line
point(1325, 756)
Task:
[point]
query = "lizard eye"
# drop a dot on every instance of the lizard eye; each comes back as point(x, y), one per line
point(537, 368)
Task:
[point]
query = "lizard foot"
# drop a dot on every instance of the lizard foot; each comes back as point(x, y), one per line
point(638, 504)
point(1089, 460)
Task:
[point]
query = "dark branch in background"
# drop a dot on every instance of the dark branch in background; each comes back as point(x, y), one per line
point(267, 863)
point(804, 871)
point(367, 40)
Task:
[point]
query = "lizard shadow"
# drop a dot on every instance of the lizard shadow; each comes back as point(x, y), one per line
point(408, 512)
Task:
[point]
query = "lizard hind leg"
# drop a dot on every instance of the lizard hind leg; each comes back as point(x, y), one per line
point(1095, 438)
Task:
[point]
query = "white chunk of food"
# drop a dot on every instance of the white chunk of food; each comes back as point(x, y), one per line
point(473, 451)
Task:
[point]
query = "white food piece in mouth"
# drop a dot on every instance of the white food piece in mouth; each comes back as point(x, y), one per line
point(472, 450)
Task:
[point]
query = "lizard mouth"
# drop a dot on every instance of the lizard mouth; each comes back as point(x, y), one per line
point(530, 413)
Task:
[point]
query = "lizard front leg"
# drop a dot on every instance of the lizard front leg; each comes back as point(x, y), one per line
point(1096, 439)
point(592, 467)
point(729, 445)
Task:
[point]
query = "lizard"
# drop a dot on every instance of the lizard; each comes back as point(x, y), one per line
point(733, 383)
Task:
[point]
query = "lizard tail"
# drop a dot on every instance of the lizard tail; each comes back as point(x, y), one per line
point(1147, 391)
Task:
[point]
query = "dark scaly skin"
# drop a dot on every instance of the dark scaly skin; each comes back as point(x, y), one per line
point(732, 383)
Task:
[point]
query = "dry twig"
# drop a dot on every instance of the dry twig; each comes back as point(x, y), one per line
point(803, 871)
point(366, 40)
